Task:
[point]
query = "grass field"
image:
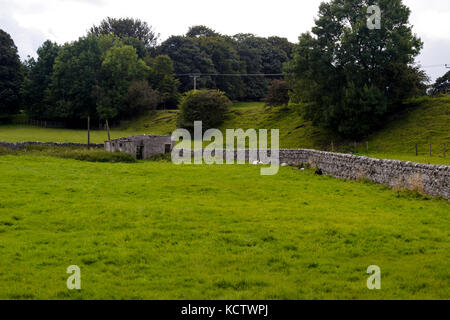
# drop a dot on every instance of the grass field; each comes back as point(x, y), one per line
point(426, 121)
point(153, 230)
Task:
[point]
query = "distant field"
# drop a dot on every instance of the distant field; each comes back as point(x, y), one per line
point(426, 121)
point(153, 230)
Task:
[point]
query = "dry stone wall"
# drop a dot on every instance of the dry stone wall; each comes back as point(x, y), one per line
point(431, 179)
point(20, 145)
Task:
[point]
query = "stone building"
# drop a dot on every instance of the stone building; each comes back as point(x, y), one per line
point(142, 147)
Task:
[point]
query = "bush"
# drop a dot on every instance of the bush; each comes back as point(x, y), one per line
point(71, 153)
point(278, 94)
point(98, 156)
point(209, 106)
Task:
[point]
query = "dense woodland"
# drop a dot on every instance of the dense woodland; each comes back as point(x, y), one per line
point(340, 75)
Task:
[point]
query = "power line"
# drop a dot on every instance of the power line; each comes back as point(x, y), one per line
point(197, 75)
point(437, 66)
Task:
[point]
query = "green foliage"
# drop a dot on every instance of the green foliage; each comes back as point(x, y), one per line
point(278, 94)
point(209, 106)
point(205, 51)
point(349, 76)
point(11, 76)
point(92, 77)
point(442, 85)
point(77, 153)
point(120, 67)
point(141, 98)
point(98, 156)
point(241, 236)
point(36, 87)
point(425, 120)
point(162, 79)
point(127, 28)
point(76, 73)
point(187, 58)
point(201, 31)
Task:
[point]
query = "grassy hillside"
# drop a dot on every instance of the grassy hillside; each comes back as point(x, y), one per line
point(427, 120)
point(212, 232)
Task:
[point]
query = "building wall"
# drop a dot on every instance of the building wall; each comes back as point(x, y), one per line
point(153, 145)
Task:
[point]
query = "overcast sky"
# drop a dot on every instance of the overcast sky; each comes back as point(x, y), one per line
point(31, 22)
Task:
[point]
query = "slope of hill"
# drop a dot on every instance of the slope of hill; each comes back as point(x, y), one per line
point(425, 121)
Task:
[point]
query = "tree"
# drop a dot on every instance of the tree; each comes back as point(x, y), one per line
point(223, 53)
point(120, 67)
point(76, 73)
point(442, 85)
point(259, 56)
point(127, 28)
point(201, 31)
point(141, 97)
point(209, 106)
point(347, 76)
point(278, 93)
point(188, 57)
point(35, 90)
point(162, 79)
point(11, 76)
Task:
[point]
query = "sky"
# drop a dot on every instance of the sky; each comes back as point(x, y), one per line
point(31, 22)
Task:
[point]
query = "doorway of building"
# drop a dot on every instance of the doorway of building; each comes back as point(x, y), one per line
point(140, 152)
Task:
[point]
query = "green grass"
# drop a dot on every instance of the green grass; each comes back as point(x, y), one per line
point(412, 158)
point(153, 230)
point(426, 121)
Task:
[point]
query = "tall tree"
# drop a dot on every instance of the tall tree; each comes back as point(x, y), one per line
point(77, 71)
point(188, 57)
point(35, 91)
point(442, 85)
point(11, 76)
point(349, 76)
point(120, 67)
point(127, 28)
point(162, 79)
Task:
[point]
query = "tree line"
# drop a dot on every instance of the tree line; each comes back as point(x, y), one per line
point(117, 70)
point(340, 75)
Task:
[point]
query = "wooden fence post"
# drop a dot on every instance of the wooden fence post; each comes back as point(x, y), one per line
point(429, 149)
point(444, 151)
point(89, 131)
point(417, 150)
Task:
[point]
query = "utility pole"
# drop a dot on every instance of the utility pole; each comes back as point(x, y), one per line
point(195, 76)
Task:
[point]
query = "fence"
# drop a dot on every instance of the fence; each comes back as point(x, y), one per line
point(412, 149)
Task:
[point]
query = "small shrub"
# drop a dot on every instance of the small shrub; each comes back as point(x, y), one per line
point(98, 156)
point(208, 106)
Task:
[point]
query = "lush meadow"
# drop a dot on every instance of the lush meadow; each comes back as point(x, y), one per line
point(153, 230)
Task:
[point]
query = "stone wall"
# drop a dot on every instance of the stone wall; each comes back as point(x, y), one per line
point(431, 179)
point(19, 145)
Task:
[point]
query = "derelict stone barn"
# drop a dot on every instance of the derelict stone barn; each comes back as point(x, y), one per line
point(141, 147)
